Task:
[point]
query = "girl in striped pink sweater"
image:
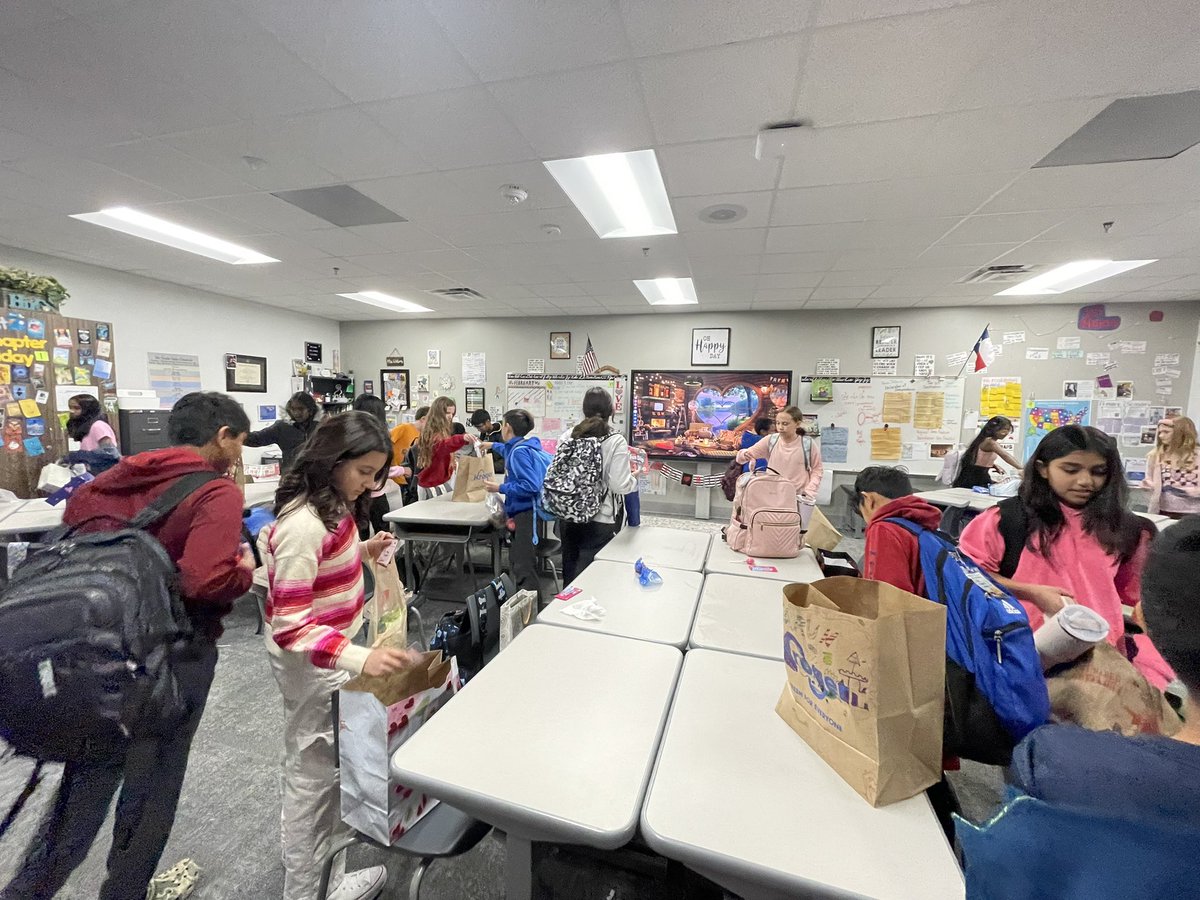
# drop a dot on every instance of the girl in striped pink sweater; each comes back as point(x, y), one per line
point(314, 608)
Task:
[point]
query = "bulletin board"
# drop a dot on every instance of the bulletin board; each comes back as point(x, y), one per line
point(556, 401)
point(45, 359)
point(910, 422)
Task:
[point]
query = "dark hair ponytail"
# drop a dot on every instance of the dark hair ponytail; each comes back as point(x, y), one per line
point(336, 440)
point(991, 429)
point(597, 411)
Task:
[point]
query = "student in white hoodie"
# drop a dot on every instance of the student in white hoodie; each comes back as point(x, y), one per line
point(581, 541)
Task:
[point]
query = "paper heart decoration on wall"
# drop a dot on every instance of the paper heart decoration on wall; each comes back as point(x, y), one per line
point(1092, 318)
point(716, 408)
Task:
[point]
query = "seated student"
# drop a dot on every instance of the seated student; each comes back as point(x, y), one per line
point(1072, 537)
point(1148, 780)
point(481, 421)
point(289, 437)
point(527, 464)
point(891, 553)
point(762, 427)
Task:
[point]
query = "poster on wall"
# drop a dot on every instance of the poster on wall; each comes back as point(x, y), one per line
point(1043, 416)
point(702, 415)
point(171, 375)
point(710, 346)
point(394, 386)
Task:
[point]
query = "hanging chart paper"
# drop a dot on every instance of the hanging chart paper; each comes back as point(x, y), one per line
point(897, 407)
point(474, 369)
point(885, 443)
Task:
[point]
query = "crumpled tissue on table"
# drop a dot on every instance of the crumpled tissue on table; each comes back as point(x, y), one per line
point(587, 610)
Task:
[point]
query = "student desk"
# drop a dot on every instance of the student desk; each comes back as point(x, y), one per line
point(801, 569)
point(662, 614)
point(30, 517)
point(571, 723)
point(959, 498)
point(739, 614)
point(440, 520)
point(740, 798)
point(671, 548)
point(260, 493)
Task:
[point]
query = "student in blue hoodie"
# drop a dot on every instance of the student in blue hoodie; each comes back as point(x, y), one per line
point(525, 464)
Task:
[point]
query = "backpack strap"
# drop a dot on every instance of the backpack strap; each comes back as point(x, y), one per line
point(182, 488)
point(26, 792)
point(1014, 529)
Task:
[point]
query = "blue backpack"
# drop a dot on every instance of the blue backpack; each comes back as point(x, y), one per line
point(995, 689)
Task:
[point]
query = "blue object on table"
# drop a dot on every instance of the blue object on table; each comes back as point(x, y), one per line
point(633, 509)
point(647, 577)
point(257, 518)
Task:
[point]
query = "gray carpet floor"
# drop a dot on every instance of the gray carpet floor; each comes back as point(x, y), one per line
point(228, 819)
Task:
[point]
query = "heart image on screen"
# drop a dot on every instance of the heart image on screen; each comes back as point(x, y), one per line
point(716, 408)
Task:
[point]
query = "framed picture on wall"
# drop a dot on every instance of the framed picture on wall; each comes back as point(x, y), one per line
point(474, 399)
point(249, 374)
point(393, 388)
point(885, 342)
point(710, 346)
point(560, 345)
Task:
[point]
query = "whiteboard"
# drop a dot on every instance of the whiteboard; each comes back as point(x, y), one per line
point(893, 421)
point(556, 401)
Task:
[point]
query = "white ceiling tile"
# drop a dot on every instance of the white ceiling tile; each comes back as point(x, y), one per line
point(578, 113)
point(910, 292)
point(715, 166)
point(930, 276)
point(1127, 221)
point(82, 186)
point(402, 236)
point(941, 195)
point(782, 295)
point(789, 281)
point(367, 49)
point(887, 302)
point(727, 91)
point(475, 191)
point(845, 11)
point(824, 205)
point(223, 147)
point(1069, 187)
point(841, 293)
point(665, 26)
point(889, 68)
point(976, 255)
point(1002, 228)
point(953, 301)
point(796, 262)
point(742, 264)
point(875, 259)
point(778, 305)
point(687, 211)
point(485, 136)
point(828, 303)
point(199, 215)
point(808, 238)
point(725, 243)
point(159, 163)
point(901, 234)
point(510, 38)
point(856, 279)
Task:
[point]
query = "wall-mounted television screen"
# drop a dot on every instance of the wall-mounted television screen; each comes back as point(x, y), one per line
point(701, 415)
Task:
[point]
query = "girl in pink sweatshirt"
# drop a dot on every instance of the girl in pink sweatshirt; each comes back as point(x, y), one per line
point(315, 599)
point(790, 453)
point(1080, 542)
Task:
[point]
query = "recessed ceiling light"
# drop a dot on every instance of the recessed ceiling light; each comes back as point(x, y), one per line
point(152, 228)
point(1073, 275)
point(386, 301)
point(667, 291)
point(620, 194)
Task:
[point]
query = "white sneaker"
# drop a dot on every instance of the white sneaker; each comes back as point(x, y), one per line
point(365, 884)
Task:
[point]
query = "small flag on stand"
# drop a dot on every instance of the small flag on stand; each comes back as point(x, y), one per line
point(590, 363)
point(985, 352)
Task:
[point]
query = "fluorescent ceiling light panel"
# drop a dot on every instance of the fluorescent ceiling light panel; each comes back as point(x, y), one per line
point(620, 194)
point(386, 301)
point(668, 291)
point(152, 228)
point(1074, 275)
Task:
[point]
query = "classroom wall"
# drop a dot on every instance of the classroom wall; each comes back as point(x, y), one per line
point(793, 340)
point(155, 316)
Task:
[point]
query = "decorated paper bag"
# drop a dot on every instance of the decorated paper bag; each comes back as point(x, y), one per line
point(821, 535)
point(516, 614)
point(866, 666)
point(389, 614)
point(471, 478)
point(376, 716)
point(1103, 691)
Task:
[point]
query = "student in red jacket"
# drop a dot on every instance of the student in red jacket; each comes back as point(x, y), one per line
point(891, 553)
point(436, 448)
point(203, 536)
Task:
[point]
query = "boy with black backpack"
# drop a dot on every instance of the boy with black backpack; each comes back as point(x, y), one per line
point(200, 527)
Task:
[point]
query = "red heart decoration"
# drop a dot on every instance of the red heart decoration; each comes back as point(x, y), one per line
point(1156, 315)
point(1092, 318)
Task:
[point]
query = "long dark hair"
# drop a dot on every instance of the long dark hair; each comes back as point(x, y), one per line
point(991, 429)
point(1105, 517)
point(597, 411)
point(336, 440)
point(90, 411)
point(372, 405)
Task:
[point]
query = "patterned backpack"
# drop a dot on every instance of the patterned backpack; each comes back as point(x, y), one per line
point(574, 487)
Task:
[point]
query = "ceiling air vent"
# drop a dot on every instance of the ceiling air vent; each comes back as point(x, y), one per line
point(997, 275)
point(458, 294)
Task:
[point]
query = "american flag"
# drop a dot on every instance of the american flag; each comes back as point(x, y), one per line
point(590, 363)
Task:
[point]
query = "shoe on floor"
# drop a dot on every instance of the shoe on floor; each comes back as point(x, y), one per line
point(177, 883)
point(365, 884)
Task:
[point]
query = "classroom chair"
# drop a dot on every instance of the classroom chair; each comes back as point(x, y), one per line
point(1033, 849)
point(549, 547)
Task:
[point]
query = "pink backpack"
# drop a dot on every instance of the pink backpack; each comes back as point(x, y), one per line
point(765, 520)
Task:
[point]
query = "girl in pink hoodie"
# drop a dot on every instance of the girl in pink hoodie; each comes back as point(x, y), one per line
point(794, 456)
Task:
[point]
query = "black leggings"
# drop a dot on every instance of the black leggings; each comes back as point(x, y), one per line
point(581, 541)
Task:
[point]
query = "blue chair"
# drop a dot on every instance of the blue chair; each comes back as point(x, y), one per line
point(1033, 850)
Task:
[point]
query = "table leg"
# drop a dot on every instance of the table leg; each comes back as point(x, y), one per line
point(518, 854)
point(408, 565)
point(497, 553)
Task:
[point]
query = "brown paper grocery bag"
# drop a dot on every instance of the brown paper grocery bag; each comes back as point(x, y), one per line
point(1103, 691)
point(866, 668)
point(821, 535)
point(471, 478)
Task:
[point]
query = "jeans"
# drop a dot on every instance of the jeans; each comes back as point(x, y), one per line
point(523, 555)
point(150, 777)
point(581, 541)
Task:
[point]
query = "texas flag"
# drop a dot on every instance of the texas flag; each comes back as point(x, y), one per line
point(985, 353)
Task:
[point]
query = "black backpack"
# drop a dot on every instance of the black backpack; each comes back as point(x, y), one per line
point(88, 626)
point(472, 634)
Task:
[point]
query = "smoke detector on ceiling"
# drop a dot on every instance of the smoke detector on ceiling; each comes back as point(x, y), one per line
point(780, 140)
point(1008, 274)
point(551, 230)
point(722, 213)
point(514, 193)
